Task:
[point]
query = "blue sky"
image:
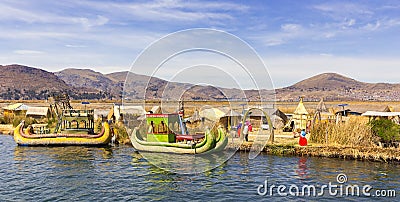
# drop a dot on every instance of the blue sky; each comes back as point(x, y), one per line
point(296, 39)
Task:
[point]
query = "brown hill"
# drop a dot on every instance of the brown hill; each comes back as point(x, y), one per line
point(22, 82)
point(92, 81)
point(333, 86)
point(134, 86)
point(328, 81)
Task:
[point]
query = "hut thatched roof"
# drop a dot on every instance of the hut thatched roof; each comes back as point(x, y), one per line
point(273, 113)
point(321, 107)
point(300, 109)
point(382, 114)
point(231, 112)
point(212, 113)
point(37, 111)
point(127, 109)
point(16, 107)
point(388, 109)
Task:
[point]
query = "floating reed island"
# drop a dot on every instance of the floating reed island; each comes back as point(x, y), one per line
point(343, 152)
point(354, 139)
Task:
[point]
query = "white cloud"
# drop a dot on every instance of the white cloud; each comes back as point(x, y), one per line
point(326, 54)
point(390, 7)
point(75, 46)
point(291, 27)
point(342, 10)
point(88, 23)
point(329, 35)
point(28, 52)
point(273, 42)
point(372, 27)
point(284, 35)
point(351, 22)
point(20, 13)
point(391, 22)
point(170, 10)
point(358, 18)
point(33, 34)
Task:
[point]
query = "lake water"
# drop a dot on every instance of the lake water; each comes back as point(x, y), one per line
point(120, 174)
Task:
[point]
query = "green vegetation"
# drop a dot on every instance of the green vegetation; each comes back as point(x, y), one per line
point(51, 123)
point(122, 134)
point(386, 130)
point(2, 120)
point(28, 121)
point(98, 124)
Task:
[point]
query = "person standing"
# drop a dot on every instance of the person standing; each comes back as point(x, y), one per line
point(303, 139)
point(250, 127)
point(246, 132)
point(239, 127)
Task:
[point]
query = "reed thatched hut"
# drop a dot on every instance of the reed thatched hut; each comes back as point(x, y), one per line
point(212, 114)
point(38, 112)
point(231, 119)
point(17, 109)
point(300, 116)
point(322, 113)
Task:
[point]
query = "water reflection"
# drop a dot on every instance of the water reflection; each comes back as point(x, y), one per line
point(302, 168)
point(244, 162)
point(64, 154)
point(107, 152)
point(181, 164)
point(136, 157)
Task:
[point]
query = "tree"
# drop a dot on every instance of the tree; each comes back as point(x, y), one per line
point(386, 130)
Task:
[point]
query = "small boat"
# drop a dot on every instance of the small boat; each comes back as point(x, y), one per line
point(167, 133)
point(74, 127)
point(26, 138)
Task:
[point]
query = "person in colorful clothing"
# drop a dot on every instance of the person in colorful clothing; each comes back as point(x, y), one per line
point(303, 139)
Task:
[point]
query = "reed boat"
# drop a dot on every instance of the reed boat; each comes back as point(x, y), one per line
point(221, 141)
point(206, 144)
point(25, 137)
point(73, 127)
point(167, 134)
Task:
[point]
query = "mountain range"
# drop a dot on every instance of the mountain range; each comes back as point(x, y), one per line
point(23, 82)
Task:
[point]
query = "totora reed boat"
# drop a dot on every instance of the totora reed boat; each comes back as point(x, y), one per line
point(24, 137)
point(167, 133)
point(74, 127)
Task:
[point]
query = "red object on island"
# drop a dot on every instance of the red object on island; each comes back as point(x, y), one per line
point(302, 141)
